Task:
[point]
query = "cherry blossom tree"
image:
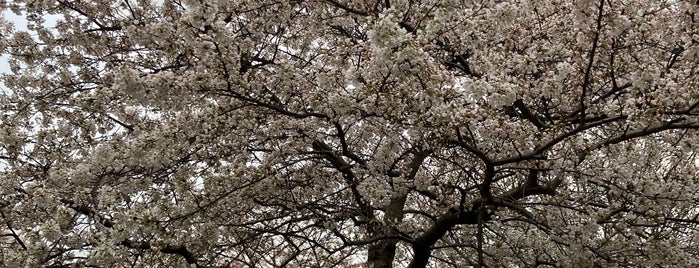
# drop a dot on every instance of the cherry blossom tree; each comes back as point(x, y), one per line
point(379, 133)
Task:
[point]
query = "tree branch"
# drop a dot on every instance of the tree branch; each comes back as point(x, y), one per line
point(527, 114)
point(346, 170)
point(423, 245)
point(12, 231)
point(179, 250)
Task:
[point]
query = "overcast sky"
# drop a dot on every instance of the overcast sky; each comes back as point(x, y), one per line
point(20, 23)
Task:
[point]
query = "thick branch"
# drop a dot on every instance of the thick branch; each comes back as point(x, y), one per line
point(347, 8)
point(628, 135)
point(381, 254)
point(423, 245)
point(562, 137)
point(179, 250)
point(454, 216)
point(346, 170)
point(591, 59)
point(345, 147)
point(12, 231)
point(527, 114)
point(528, 189)
point(87, 211)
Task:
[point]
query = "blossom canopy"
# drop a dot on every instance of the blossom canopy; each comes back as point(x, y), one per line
point(378, 133)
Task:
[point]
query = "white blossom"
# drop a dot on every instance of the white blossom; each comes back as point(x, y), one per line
point(329, 133)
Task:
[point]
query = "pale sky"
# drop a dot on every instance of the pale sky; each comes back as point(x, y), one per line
point(20, 23)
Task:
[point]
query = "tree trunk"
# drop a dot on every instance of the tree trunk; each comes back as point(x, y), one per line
point(381, 254)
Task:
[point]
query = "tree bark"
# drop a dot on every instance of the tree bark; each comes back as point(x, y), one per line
point(382, 253)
